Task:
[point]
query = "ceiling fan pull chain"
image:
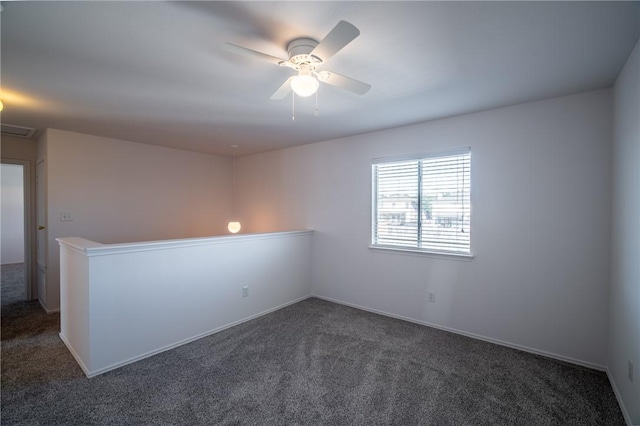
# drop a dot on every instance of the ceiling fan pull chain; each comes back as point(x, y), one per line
point(317, 113)
point(293, 106)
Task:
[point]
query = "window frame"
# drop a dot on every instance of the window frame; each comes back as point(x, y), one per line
point(411, 250)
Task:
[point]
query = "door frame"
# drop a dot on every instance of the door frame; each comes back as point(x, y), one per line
point(31, 290)
point(40, 277)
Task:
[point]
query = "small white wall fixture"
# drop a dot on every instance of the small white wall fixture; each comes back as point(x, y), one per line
point(124, 302)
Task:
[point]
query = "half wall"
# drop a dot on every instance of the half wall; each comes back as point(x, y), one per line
point(124, 302)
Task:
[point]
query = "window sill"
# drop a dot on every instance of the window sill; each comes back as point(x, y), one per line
point(409, 251)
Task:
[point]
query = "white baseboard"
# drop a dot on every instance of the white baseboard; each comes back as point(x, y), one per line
point(623, 408)
point(92, 373)
point(75, 355)
point(472, 335)
point(11, 264)
point(47, 310)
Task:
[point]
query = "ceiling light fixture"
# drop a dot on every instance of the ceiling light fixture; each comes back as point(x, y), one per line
point(305, 83)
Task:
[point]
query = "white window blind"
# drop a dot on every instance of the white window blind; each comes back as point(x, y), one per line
point(423, 203)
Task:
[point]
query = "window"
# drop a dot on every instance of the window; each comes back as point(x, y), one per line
point(423, 203)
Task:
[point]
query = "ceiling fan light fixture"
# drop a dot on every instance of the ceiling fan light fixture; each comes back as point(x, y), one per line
point(304, 85)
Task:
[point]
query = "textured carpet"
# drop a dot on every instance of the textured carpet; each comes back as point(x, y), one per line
point(12, 283)
point(314, 362)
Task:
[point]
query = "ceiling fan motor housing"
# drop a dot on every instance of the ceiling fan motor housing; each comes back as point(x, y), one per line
point(300, 52)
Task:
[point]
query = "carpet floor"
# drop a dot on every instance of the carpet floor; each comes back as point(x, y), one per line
point(313, 362)
point(12, 283)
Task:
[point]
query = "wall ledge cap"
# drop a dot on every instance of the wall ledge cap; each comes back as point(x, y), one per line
point(92, 248)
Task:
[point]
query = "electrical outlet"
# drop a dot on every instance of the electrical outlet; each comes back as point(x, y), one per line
point(431, 296)
point(66, 217)
point(630, 372)
point(245, 291)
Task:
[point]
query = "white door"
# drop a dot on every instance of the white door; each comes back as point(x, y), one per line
point(41, 232)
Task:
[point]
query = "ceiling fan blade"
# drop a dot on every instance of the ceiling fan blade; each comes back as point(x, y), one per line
point(343, 82)
point(248, 52)
point(341, 35)
point(283, 91)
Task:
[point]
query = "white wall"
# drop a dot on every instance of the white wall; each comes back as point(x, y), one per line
point(540, 223)
point(12, 213)
point(16, 148)
point(119, 191)
point(624, 332)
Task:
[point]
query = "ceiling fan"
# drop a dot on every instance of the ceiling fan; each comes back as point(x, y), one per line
point(306, 56)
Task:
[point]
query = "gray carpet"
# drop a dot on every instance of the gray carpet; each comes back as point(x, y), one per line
point(314, 362)
point(12, 283)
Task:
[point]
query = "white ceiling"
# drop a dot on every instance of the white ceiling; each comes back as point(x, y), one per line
point(156, 72)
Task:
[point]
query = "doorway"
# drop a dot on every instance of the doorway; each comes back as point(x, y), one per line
point(12, 236)
point(15, 235)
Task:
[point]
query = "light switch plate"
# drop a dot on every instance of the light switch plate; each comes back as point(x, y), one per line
point(66, 217)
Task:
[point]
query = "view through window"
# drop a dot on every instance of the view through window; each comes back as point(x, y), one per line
point(423, 203)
